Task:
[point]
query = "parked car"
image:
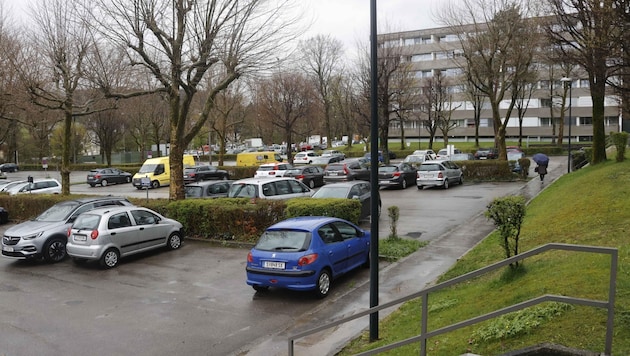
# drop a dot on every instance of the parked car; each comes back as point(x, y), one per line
point(306, 254)
point(204, 172)
point(439, 174)
point(305, 157)
point(351, 190)
point(347, 170)
point(38, 186)
point(272, 170)
point(46, 235)
point(431, 153)
point(107, 234)
point(462, 157)
point(106, 176)
point(4, 215)
point(325, 160)
point(269, 188)
point(417, 159)
point(327, 153)
point(11, 184)
point(9, 167)
point(487, 153)
point(398, 175)
point(208, 189)
point(313, 176)
point(513, 157)
point(443, 153)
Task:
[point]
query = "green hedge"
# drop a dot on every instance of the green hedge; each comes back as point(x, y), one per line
point(348, 209)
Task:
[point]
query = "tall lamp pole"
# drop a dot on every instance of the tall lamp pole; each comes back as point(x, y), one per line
point(569, 81)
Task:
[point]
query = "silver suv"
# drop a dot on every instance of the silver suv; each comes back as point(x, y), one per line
point(46, 235)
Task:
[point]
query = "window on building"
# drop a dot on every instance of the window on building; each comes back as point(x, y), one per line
point(584, 83)
point(585, 121)
point(545, 121)
point(441, 55)
point(546, 103)
point(543, 84)
point(411, 41)
point(424, 40)
point(421, 57)
point(611, 121)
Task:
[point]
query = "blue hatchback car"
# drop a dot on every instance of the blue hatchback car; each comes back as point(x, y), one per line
point(306, 254)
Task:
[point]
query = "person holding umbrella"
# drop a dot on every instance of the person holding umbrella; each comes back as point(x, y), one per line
point(542, 161)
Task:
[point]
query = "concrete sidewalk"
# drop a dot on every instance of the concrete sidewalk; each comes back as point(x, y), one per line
point(397, 280)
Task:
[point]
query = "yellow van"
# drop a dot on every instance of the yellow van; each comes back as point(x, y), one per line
point(246, 159)
point(156, 172)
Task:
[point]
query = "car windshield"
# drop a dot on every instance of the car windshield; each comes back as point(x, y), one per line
point(514, 156)
point(147, 168)
point(284, 240)
point(292, 171)
point(192, 191)
point(266, 168)
point(331, 192)
point(387, 169)
point(86, 222)
point(240, 190)
point(189, 170)
point(430, 167)
point(58, 212)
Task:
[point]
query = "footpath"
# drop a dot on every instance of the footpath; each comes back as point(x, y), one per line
point(396, 280)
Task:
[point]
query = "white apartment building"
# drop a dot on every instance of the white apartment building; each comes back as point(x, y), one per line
point(433, 50)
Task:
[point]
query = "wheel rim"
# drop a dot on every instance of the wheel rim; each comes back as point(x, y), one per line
point(446, 184)
point(128, 179)
point(155, 184)
point(175, 242)
point(57, 251)
point(404, 184)
point(324, 283)
point(111, 259)
point(104, 182)
point(311, 184)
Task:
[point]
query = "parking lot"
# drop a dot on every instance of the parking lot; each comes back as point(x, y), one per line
point(194, 300)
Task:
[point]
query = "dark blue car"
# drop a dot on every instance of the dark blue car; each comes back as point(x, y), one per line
point(307, 254)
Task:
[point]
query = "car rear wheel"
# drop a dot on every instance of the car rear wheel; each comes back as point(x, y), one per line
point(445, 183)
point(461, 180)
point(104, 183)
point(311, 184)
point(54, 250)
point(174, 241)
point(110, 258)
point(420, 187)
point(403, 184)
point(323, 284)
point(258, 288)
point(128, 179)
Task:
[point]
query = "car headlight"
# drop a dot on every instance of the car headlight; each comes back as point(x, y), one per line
point(33, 236)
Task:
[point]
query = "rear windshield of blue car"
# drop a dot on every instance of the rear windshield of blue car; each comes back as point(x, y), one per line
point(284, 240)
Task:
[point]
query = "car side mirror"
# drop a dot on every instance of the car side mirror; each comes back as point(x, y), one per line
point(355, 197)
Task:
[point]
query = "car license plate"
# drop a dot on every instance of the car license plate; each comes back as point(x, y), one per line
point(273, 264)
point(7, 248)
point(80, 237)
point(332, 173)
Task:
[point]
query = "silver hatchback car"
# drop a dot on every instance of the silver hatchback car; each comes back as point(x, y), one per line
point(107, 234)
point(439, 173)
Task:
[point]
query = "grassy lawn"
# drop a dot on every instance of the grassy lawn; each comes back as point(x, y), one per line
point(588, 207)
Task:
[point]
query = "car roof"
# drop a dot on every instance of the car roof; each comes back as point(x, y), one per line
point(262, 180)
point(111, 209)
point(303, 222)
point(434, 161)
point(207, 182)
point(344, 184)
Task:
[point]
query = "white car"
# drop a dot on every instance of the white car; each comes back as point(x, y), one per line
point(305, 157)
point(269, 188)
point(272, 170)
point(38, 186)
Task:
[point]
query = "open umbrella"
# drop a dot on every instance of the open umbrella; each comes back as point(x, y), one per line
point(541, 159)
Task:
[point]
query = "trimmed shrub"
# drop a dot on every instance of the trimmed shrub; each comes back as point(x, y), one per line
point(348, 209)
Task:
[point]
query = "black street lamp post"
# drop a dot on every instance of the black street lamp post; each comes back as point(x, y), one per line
point(569, 81)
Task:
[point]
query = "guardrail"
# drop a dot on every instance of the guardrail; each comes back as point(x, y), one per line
point(424, 294)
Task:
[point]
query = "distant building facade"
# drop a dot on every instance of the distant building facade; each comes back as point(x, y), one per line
point(435, 50)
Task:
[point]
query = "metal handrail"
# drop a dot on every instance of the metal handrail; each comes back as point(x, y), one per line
point(425, 334)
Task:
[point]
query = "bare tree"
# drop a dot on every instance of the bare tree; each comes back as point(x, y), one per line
point(52, 68)
point(108, 131)
point(498, 41)
point(228, 112)
point(323, 56)
point(477, 99)
point(189, 46)
point(285, 100)
point(592, 36)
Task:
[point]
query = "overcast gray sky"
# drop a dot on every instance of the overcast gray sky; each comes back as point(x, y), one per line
point(349, 20)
